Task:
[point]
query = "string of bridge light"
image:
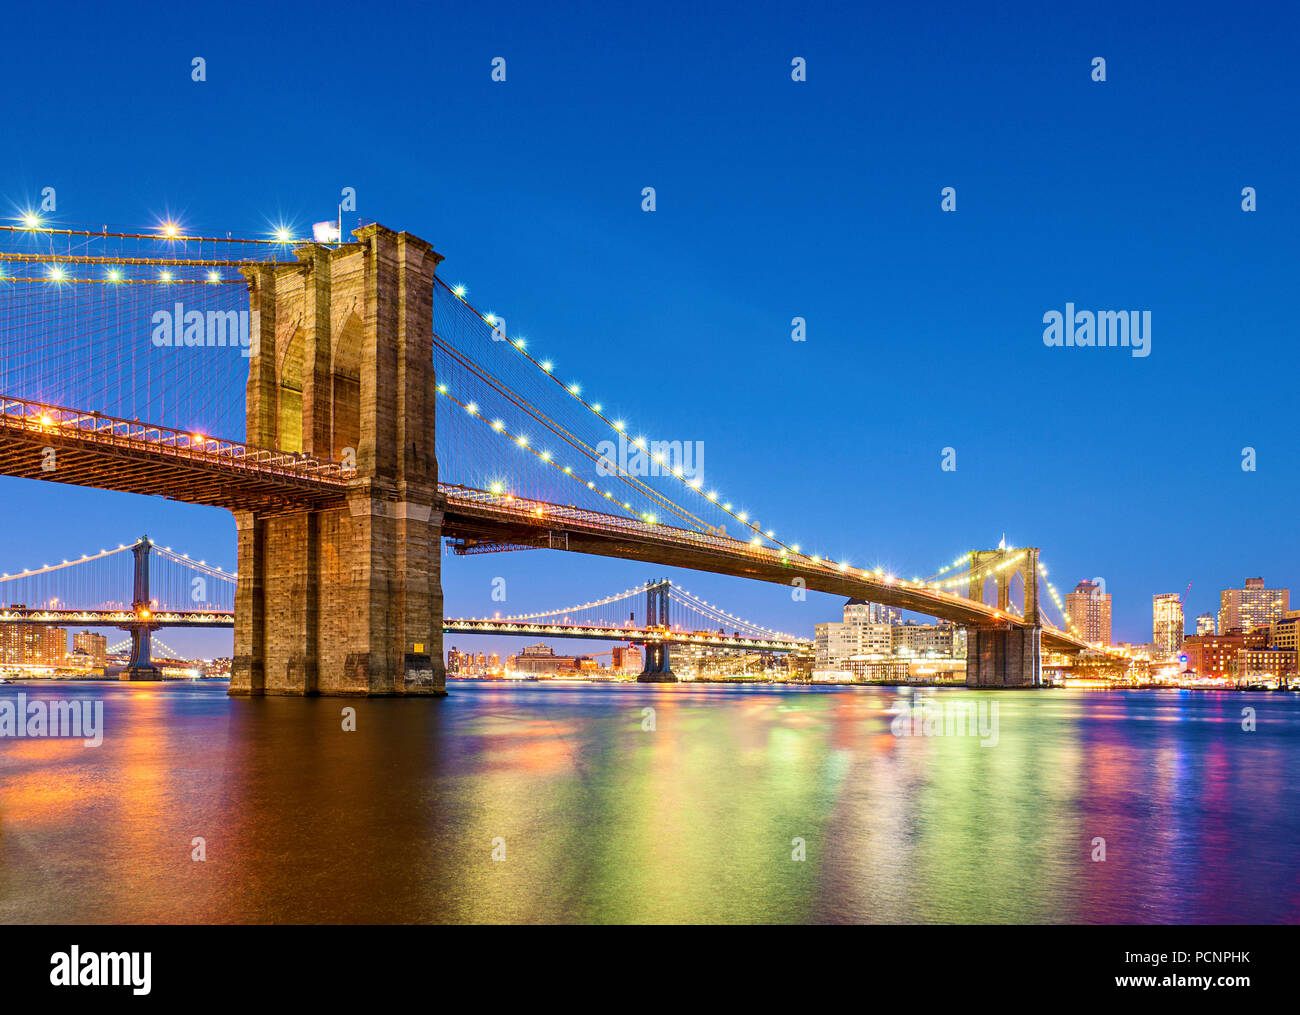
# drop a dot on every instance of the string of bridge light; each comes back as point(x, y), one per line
point(981, 571)
point(1051, 589)
point(198, 565)
point(628, 593)
point(47, 568)
point(576, 442)
point(696, 601)
point(169, 229)
point(167, 649)
point(1042, 571)
point(56, 271)
point(125, 644)
point(524, 442)
point(963, 559)
point(618, 426)
point(1044, 619)
point(58, 276)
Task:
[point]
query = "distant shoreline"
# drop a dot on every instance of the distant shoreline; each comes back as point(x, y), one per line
point(19, 681)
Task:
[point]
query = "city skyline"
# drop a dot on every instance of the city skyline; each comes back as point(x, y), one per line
point(213, 644)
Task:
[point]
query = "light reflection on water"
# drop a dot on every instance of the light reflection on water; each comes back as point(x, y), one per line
point(603, 821)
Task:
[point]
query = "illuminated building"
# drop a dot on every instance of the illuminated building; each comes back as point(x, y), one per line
point(867, 669)
point(625, 659)
point(95, 647)
point(935, 640)
point(1089, 610)
point(1214, 655)
point(799, 665)
point(51, 646)
point(1253, 606)
point(541, 659)
point(1205, 624)
point(1273, 663)
point(1285, 633)
point(1168, 627)
point(871, 631)
point(833, 643)
point(33, 644)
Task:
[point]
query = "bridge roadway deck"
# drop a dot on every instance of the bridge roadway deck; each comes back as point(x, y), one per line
point(115, 618)
point(108, 453)
point(596, 632)
point(475, 515)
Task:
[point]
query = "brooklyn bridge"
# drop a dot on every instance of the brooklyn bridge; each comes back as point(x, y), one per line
point(354, 412)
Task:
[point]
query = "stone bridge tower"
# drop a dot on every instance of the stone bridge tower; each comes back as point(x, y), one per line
point(345, 599)
point(1005, 655)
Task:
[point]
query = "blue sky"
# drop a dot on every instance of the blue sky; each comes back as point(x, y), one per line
point(775, 199)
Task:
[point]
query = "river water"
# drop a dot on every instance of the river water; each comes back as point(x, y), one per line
point(548, 802)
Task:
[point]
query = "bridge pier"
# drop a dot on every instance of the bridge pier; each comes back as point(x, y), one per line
point(140, 666)
point(345, 599)
point(657, 668)
point(1004, 657)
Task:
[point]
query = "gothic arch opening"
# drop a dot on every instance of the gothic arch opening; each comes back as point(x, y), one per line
point(345, 377)
point(289, 372)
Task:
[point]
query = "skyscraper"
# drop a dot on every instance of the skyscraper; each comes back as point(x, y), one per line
point(1251, 607)
point(1205, 624)
point(33, 644)
point(1168, 627)
point(1088, 607)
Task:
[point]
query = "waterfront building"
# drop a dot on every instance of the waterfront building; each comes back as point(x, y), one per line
point(869, 669)
point(835, 642)
point(541, 659)
point(936, 641)
point(1267, 663)
point(1089, 610)
point(1252, 606)
point(33, 645)
point(869, 631)
point(1214, 655)
point(93, 645)
point(799, 665)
